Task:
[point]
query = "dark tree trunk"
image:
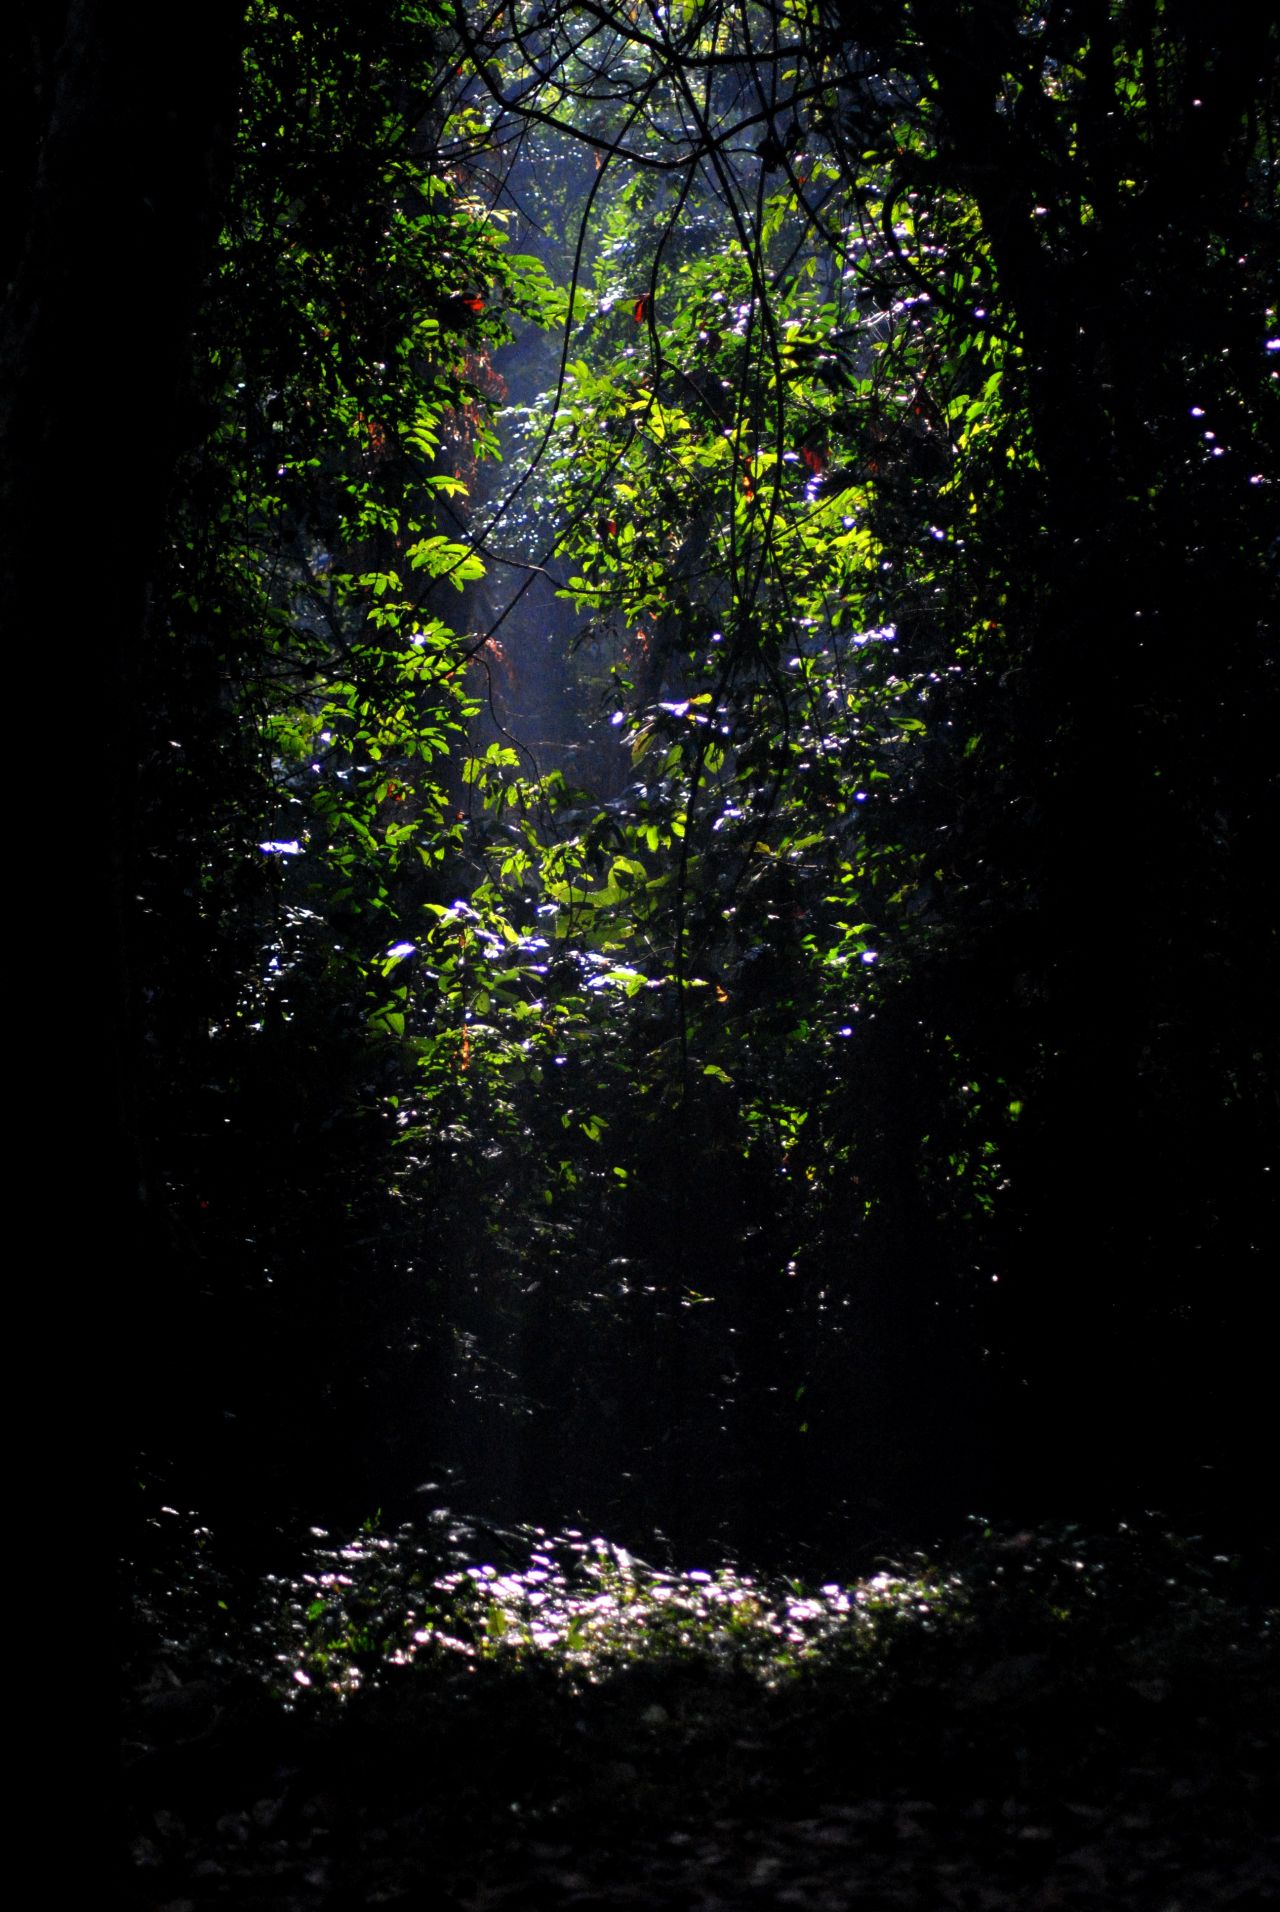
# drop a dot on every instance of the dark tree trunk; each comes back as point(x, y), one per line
point(116, 164)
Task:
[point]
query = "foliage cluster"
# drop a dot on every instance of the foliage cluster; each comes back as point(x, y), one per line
point(874, 1001)
point(308, 674)
point(905, 966)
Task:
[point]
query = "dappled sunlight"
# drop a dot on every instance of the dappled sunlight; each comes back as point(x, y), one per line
point(588, 1610)
point(585, 1606)
point(529, 1715)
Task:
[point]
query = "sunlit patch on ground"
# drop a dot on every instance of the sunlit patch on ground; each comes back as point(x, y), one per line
point(508, 1717)
point(585, 1605)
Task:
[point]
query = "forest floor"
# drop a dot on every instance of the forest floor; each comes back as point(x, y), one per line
point(1047, 1720)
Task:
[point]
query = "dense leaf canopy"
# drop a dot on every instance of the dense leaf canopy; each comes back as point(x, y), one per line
point(705, 729)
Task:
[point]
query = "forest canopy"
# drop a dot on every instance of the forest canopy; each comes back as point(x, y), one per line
point(692, 743)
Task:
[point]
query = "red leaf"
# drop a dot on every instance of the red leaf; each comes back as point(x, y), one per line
point(473, 302)
point(640, 310)
point(816, 460)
